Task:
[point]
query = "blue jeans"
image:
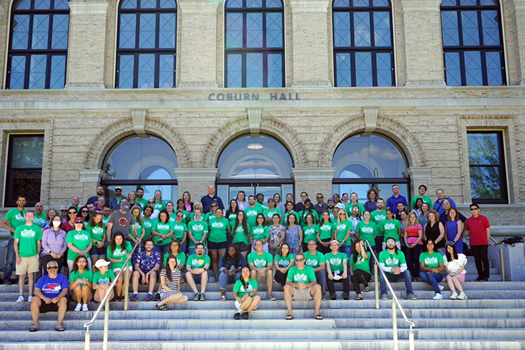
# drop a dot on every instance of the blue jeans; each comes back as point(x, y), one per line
point(394, 278)
point(225, 279)
point(10, 260)
point(320, 276)
point(432, 279)
point(162, 249)
point(347, 249)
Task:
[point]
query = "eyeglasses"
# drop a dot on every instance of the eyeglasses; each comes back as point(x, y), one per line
point(53, 268)
point(320, 197)
point(72, 212)
point(300, 259)
point(214, 205)
point(151, 202)
point(118, 190)
point(63, 210)
point(78, 222)
point(472, 209)
point(180, 215)
point(84, 211)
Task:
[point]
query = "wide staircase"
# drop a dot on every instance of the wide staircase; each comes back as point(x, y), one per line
point(493, 317)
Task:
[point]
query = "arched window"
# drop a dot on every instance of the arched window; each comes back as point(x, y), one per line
point(38, 45)
point(146, 162)
point(254, 45)
point(365, 161)
point(363, 49)
point(472, 42)
point(255, 164)
point(146, 44)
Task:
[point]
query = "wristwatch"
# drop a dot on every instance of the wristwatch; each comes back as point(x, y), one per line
point(205, 269)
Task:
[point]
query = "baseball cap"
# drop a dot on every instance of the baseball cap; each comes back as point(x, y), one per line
point(101, 262)
point(78, 219)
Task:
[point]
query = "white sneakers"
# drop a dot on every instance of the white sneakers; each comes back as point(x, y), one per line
point(85, 307)
point(454, 296)
point(78, 307)
point(30, 298)
point(438, 296)
point(462, 296)
point(441, 287)
point(20, 299)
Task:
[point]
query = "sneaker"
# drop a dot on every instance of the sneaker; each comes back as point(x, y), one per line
point(223, 297)
point(333, 296)
point(237, 316)
point(479, 279)
point(135, 297)
point(30, 299)
point(197, 297)
point(441, 288)
point(462, 296)
point(345, 296)
point(384, 296)
point(454, 296)
point(85, 307)
point(485, 279)
point(202, 297)
point(156, 297)
point(78, 307)
point(149, 297)
point(270, 297)
point(20, 299)
point(246, 315)
point(438, 296)
point(411, 296)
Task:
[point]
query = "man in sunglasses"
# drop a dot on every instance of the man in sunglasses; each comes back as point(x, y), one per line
point(393, 263)
point(50, 296)
point(478, 228)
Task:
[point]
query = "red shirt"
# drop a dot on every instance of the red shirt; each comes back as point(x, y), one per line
point(478, 230)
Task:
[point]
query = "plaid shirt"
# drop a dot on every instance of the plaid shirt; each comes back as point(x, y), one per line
point(147, 262)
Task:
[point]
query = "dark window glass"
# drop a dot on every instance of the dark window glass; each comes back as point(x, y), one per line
point(254, 45)
point(38, 46)
point(487, 167)
point(363, 50)
point(472, 42)
point(146, 47)
point(24, 168)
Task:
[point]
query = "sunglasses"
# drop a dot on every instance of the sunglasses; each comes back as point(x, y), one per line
point(472, 209)
point(53, 268)
point(214, 205)
point(300, 259)
point(79, 222)
point(84, 211)
point(72, 212)
point(63, 210)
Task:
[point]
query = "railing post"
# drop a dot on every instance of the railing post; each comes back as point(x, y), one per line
point(411, 338)
point(376, 284)
point(126, 287)
point(502, 262)
point(394, 324)
point(86, 346)
point(106, 325)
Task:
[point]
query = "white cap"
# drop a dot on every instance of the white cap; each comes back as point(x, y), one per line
point(101, 262)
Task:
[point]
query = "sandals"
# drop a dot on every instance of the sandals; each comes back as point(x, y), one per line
point(163, 307)
point(318, 317)
point(359, 297)
point(60, 328)
point(34, 328)
point(289, 317)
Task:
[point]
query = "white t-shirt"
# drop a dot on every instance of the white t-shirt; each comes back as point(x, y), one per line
point(455, 265)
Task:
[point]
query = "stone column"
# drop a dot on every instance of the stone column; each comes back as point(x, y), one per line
point(313, 181)
point(419, 176)
point(423, 43)
point(87, 44)
point(311, 42)
point(89, 179)
point(520, 23)
point(198, 29)
point(195, 181)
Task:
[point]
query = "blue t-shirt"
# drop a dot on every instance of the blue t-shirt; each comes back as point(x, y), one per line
point(50, 287)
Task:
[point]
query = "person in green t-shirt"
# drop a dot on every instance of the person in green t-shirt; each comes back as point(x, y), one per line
point(162, 233)
point(13, 218)
point(391, 228)
point(344, 232)
point(176, 251)
point(197, 267)
point(310, 231)
point(326, 232)
point(366, 230)
point(140, 198)
point(432, 264)
point(80, 283)
point(315, 259)
point(119, 250)
point(252, 211)
point(393, 264)
point(283, 262)
point(78, 242)
point(336, 270)
point(180, 230)
point(354, 200)
point(360, 268)
point(261, 266)
point(102, 279)
point(301, 285)
point(97, 230)
point(197, 230)
point(159, 205)
point(40, 216)
point(220, 230)
point(245, 294)
point(260, 232)
point(377, 217)
point(271, 210)
point(240, 233)
point(422, 194)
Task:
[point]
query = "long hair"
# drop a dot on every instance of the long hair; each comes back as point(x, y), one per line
point(139, 217)
point(243, 223)
point(92, 220)
point(288, 219)
point(245, 284)
point(179, 248)
point(286, 205)
point(229, 211)
point(280, 252)
point(321, 220)
point(75, 265)
point(168, 268)
point(113, 243)
point(236, 257)
point(454, 252)
point(355, 253)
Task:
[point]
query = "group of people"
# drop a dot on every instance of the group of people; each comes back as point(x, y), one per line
point(305, 247)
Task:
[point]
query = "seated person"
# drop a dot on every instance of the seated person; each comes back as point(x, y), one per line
point(197, 266)
point(283, 262)
point(261, 266)
point(360, 268)
point(392, 262)
point(145, 271)
point(455, 267)
point(337, 270)
point(230, 265)
point(431, 263)
point(170, 277)
point(102, 278)
point(316, 260)
point(50, 292)
point(301, 285)
point(80, 283)
point(245, 294)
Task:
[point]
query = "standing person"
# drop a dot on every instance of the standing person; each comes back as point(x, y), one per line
point(331, 208)
point(320, 206)
point(245, 294)
point(100, 204)
point(414, 244)
point(80, 283)
point(260, 201)
point(326, 232)
point(97, 230)
point(279, 203)
point(293, 234)
point(160, 204)
point(14, 218)
point(102, 279)
point(391, 228)
point(300, 205)
point(27, 244)
point(377, 217)
point(422, 190)
point(210, 198)
point(54, 244)
point(83, 212)
point(241, 234)
point(393, 263)
point(64, 213)
point(182, 207)
point(197, 230)
point(354, 219)
point(418, 207)
point(241, 200)
point(435, 231)
point(40, 217)
point(283, 261)
point(119, 250)
point(366, 230)
point(145, 271)
point(162, 233)
point(51, 213)
point(231, 213)
point(261, 266)
point(115, 202)
point(443, 217)
point(343, 233)
point(230, 266)
point(147, 221)
point(180, 230)
point(139, 228)
point(290, 209)
point(353, 201)
point(396, 197)
point(454, 227)
point(188, 204)
point(372, 195)
point(438, 204)
point(252, 212)
point(132, 198)
point(278, 234)
point(315, 259)
point(455, 267)
point(301, 285)
point(121, 221)
point(360, 268)
point(218, 240)
point(197, 266)
point(478, 227)
point(423, 218)
point(79, 243)
point(170, 278)
point(99, 194)
point(431, 265)
point(105, 214)
point(308, 210)
point(344, 198)
point(337, 198)
point(143, 202)
point(271, 210)
point(336, 270)
point(75, 202)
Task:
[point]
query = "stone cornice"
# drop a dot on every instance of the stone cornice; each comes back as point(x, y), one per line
point(198, 6)
point(88, 8)
point(420, 5)
point(309, 5)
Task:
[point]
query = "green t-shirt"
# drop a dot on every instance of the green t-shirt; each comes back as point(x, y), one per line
point(80, 239)
point(162, 228)
point(314, 260)
point(28, 237)
point(96, 232)
point(327, 230)
point(260, 232)
point(377, 217)
point(138, 227)
point(390, 228)
point(366, 232)
point(260, 261)
point(197, 229)
point(361, 263)
point(302, 216)
point(336, 261)
point(99, 278)
point(75, 275)
point(148, 226)
point(181, 260)
point(310, 233)
point(240, 236)
point(196, 262)
point(285, 218)
point(431, 260)
point(15, 217)
point(242, 290)
point(160, 206)
point(142, 202)
point(39, 219)
point(306, 275)
point(426, 199)
point(119, 254)
point(218, 230)
point(349, 207)
point(342, 230)
point(251, 215)
point(284, 261)
point(105, 220)
point(392, 260)
point(231, 218)
point(269, 213)
point(179, 229)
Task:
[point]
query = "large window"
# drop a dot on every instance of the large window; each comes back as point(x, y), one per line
point(472, 42)
point(146, 44)
point(363, 49)
point(146, 162)
point(487, 167)
point(38, 44)
point(254, 43)
point(365, 161)
point(24, 168)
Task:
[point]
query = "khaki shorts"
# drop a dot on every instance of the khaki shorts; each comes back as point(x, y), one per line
point(302, 295)
point(28, 265)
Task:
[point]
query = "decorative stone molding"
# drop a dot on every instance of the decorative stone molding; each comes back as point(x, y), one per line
point(196, 174)
point(2, 9)
point(309, 5)
point(420, 176)
point(91, 175)
point(519, 4)
point(370, 119)
point(254, 118)
point(420, 5)
point(88, 8)
point(198, 6)
point(138, 116)
point(316, 174)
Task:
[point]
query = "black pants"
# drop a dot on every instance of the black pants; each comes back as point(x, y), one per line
point(344, 281)
point(322, 248)
point(481, 256)
point(281, 277)
point(360, 276)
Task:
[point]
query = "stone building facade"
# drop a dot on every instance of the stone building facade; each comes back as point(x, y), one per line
point(426, 119)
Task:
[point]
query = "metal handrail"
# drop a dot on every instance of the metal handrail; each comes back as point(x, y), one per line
point(395, 302)
point(105, 301)
point(501, 257)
